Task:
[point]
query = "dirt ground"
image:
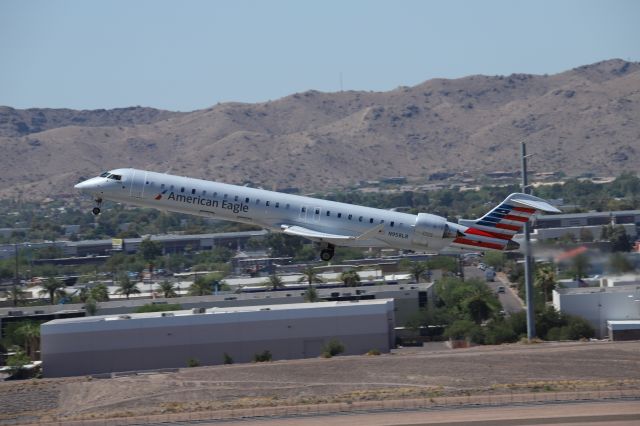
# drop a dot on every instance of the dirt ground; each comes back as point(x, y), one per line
point(406, 373)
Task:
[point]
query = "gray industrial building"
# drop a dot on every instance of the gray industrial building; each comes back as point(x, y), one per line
point(555, 226)
point(106, 344)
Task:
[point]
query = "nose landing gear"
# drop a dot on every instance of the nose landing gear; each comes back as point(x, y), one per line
point(96, 209)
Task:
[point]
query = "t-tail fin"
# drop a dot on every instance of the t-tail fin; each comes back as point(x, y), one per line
point(495, 230)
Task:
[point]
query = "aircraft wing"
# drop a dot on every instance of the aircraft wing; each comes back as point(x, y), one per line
point(311, 234)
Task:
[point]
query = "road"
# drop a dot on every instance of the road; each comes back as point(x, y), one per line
point(624, 413)
point(510, 302)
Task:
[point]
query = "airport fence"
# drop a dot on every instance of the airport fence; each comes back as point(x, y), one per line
point(511, 398)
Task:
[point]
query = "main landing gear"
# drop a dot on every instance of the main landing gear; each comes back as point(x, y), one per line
point(96, 209)
point(326, 254)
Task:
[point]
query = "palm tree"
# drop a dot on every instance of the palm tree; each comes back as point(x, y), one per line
point(127, 287)
point(417, 269)
point(29, 334)
point(478, 304)
point(274, 282)
point(311, 294)
point(17, 296)
point(310, 275)
point(200, 287)
point(545, 279)
point(53, 287)
point(100, 293)
point(350, 278)
point(168, 289)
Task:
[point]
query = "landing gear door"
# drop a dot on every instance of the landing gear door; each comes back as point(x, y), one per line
point(138, 180)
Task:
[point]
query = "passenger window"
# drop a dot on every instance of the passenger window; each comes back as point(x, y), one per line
point(215, 194)
point(287, 207)
point(277, 205)
point(349, 217)
point(162, 186)
point(328, 213)
point(257, 201)
point(193, 191)
point(182, 189)
point(266, 203)
point(371, 220)
point(317, 211)
point(391, 224)
point(235, 198)
point(172, 187)
point(339, 215)
point(382, 221)
point(303, 209)
point(204, 192)
point(360, 219)
point(225, 196)
point(246, 200)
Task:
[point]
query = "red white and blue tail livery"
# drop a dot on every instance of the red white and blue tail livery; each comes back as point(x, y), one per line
point(496, 229)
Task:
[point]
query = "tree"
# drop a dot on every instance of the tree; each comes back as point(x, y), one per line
point(274, 282)
point(586, 236)
point(417, 269)
point(53, 287)
point(580, 266)
point(28, 334)
point(91, 306)
point(350, 278)
point(619, 263)
point(17, 296)
point(545, 279)
point(311, 294)
point(310, 275)
point(200, 287)
point(127, 287)
point(100, 293)
point(150, 249)
point(168, 289)
point(495, 259)
point(619, 239)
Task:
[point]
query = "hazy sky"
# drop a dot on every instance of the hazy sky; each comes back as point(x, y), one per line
point(186, 55)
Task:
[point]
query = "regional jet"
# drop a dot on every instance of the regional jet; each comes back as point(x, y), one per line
point(328, 223)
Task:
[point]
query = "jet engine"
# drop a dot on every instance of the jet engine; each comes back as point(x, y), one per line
point(429, 226)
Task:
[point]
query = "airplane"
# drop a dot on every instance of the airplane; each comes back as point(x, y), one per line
point(328, 223)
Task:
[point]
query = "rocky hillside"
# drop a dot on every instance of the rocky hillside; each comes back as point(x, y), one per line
point(581, 120)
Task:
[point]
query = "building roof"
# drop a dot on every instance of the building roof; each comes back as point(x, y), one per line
point(216, 315)
point(588, 214)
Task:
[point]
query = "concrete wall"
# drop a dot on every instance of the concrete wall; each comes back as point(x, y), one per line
point(96, 345)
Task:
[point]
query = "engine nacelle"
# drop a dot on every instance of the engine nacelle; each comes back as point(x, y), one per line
point(429, 227)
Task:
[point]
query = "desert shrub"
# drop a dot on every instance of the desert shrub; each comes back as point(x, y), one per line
point(192, 362)
point(265, 356)
point(227, 358)
point(332, 348)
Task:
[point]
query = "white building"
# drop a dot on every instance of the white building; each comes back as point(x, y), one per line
point(105, 344)
point(599, 304)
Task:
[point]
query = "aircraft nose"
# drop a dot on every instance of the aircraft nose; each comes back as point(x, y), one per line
point(88, 185)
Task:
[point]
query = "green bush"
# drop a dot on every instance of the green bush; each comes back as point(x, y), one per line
point(332, 348)
point(192, 362)
point(263, 357)
point(227, 358)
point(150, 307)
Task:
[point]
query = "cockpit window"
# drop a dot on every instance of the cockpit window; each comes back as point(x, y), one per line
point(115, 177)
point(105, 174)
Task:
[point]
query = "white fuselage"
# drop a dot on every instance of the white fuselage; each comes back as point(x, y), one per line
point(267, 209)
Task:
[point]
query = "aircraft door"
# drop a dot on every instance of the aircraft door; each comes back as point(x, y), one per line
point(138, 180)
point(303, 213)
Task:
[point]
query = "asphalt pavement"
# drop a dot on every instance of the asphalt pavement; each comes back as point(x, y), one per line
point(509, 300)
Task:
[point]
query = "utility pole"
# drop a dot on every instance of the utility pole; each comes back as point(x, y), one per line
point(528, 264)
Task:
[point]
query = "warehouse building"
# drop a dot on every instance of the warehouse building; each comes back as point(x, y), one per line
point(599, 305)
point(106, 344)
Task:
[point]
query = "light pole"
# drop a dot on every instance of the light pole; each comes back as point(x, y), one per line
point(531, 326)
